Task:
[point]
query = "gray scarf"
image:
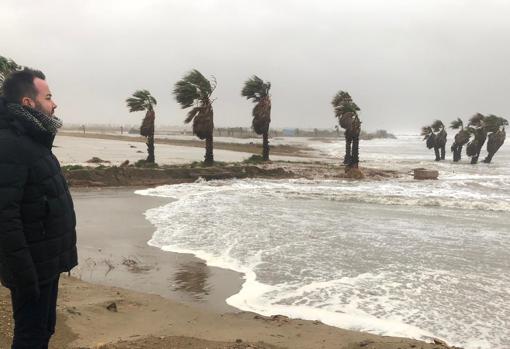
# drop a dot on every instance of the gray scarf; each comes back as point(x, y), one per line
point(39, 120)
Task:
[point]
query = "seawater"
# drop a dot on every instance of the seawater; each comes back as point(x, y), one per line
point(398, 257)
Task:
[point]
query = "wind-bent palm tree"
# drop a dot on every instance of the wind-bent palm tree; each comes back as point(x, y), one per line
point(440, 144)
point(142, 100)
point(435, 135)
point(496, 126)
point(476, 127)
point(7, 66)
point(195, 90)
point(347, 113)
point(258, 91)
point(461, 138)
point(429, 136)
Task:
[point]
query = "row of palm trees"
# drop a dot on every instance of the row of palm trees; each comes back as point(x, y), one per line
point(480, 128)
point(194, 93)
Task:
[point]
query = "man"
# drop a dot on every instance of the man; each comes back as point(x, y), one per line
point(37, 219)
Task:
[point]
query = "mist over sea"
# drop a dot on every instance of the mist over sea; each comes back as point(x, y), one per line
point(395, 257)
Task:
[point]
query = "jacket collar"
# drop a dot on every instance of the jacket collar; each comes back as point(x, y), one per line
point(20, 126)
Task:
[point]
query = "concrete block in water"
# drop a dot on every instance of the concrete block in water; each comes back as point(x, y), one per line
point(422, 173)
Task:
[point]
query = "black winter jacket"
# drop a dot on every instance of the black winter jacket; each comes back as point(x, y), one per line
point(37, 219)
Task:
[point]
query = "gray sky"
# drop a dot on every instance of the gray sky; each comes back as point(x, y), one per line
point(405, 62)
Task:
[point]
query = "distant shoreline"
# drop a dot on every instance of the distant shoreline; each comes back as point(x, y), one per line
point(253, 148)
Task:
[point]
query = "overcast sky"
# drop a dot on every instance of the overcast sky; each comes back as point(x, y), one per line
point(405, 62)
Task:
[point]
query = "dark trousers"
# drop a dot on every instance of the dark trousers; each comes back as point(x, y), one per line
point(34, 320)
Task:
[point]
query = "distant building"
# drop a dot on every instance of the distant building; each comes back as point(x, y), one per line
point(289, 132)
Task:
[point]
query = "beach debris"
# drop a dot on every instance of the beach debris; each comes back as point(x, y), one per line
point(124, 163)
point(112, 307)
point(132, 146)
point(72, 310)
point(423, 174)
point(238, 340)
point(354, 173)
point(443, 344)
point(96, 160)
point(110, 266)
point(134, 265)
point(281, 318)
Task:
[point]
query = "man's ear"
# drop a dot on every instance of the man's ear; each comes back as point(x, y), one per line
point(27, 102)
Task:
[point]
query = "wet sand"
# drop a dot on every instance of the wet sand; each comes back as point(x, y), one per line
point(113, 251)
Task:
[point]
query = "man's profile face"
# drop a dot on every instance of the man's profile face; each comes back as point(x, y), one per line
point(43, 101)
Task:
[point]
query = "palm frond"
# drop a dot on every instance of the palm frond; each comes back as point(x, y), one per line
point(437, 125)
point(345, 109)
point(456, 124)
point(476, 120)
point(7, 66)
point(340, 98)
point(192, 88)
point(492, 123)
point(255, 88)
point(426, 131)
point(192, 113)
point(140, 101)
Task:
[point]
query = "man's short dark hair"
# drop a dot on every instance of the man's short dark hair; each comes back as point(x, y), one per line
point(21, 84)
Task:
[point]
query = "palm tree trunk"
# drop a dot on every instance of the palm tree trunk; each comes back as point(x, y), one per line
point(457, 152)
point(209, 158)
point(355, 152)
point(347, 157)
point(265, 146)
point(436, 151)
point(443, 152)
point(488, 159)
point(474, 159)
point(150, 149)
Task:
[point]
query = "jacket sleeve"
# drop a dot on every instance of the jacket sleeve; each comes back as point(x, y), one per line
point(17, 266)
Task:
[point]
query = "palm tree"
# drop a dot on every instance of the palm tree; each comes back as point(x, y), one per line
point(258, 91)
point(476, 127)
point(440, 139)
point(195, 90)
point(142, 100)
point(429, 136)
point(496, 126)
point(7, 66)
point(347, 113)
point(461, 138)
point(435, 135)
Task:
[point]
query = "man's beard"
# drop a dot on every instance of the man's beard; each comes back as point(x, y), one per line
point(39, 108)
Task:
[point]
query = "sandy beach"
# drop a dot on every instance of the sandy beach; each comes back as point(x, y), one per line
point(162, 299)
point(77, 148)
